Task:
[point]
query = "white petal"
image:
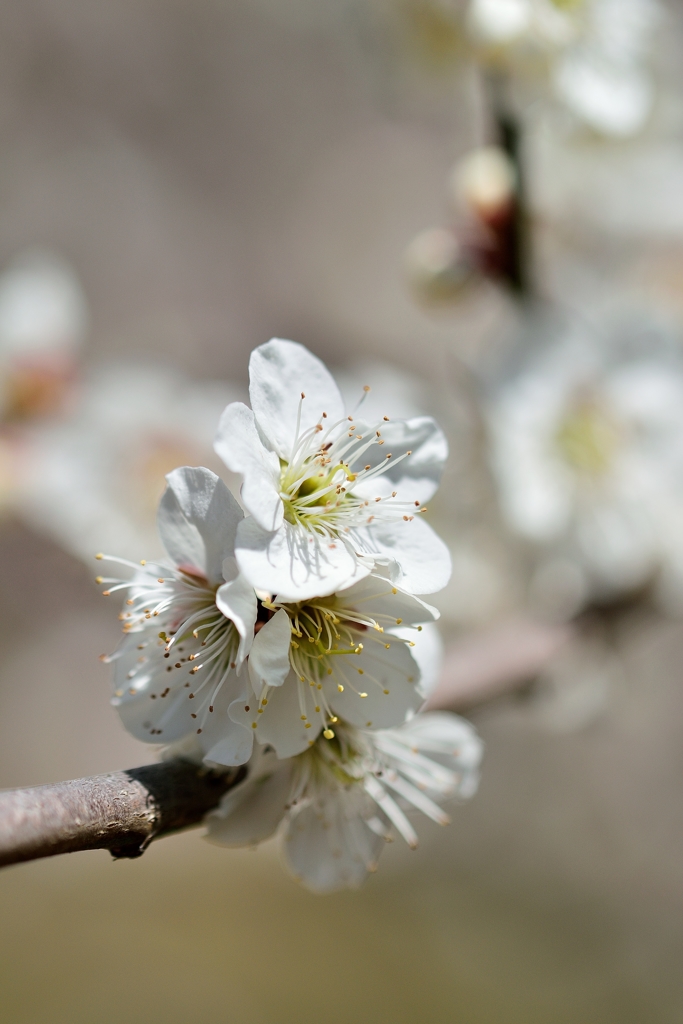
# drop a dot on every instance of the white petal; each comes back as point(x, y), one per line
point(144, 712)
point(224, 741)
point(372, 672)
point(237, 601)
point(329, 849)
point(416, 477)
point(280, 723)
point(197, 521)
point(295, 563)
point(377, 596)
point(242, 450)
point(278, 373)
point(418, 559)
point(428, 653)
point(269, 659)
point(252, 811)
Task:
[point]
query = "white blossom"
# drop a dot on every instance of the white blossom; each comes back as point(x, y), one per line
point(338, 803)
point(348, 657)
point(93, 480)
point(588, 453)
point(329, 496)
point(595, 51)
point(188, 626)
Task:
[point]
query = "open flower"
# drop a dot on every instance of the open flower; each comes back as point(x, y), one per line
point(330, 496)
point(189, 626)
point(346, 656)
point(588, 452)
point(338, 803)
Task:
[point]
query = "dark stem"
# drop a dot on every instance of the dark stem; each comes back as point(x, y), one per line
point(121, 812)
point(514, 241)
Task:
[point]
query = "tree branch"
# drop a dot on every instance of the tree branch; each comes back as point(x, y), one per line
point(124, 811)
point(121, 812)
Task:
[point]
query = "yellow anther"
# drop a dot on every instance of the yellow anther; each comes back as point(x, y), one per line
point(303, 718)
point(362, 694)
point(308, 725)
point(253, 725)
point(399, 621)
point(99, 579)
point(99, 556)
point(340, 687)
point(328, 734)
point(143, 561)
point(385, 691)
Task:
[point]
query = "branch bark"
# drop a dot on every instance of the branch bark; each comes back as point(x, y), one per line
point(121, 812)
point(124, 811)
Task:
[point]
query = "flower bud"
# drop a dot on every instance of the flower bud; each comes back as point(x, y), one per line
point(484, 183)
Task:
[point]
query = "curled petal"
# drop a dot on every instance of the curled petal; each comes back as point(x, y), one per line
point(237, 601)
point(269, 660)
point(197, 520)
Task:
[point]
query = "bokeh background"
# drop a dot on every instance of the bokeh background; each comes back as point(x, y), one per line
point(216, 173)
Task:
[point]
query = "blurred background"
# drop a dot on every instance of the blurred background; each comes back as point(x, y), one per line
point(475, 207)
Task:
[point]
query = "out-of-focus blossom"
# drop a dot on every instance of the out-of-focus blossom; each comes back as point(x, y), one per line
point(338, 803)
point(327, 500)
point(43, 325)
point(93, 482)
point(588, 452)
point(188, 626)
point(595, 52)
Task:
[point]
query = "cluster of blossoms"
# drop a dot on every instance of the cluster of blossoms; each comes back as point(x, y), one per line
point(291, 639)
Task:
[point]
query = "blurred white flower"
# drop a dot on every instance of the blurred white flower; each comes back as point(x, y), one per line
point(596, 53)
point(93, 482)
point(587, 447)
point(189, 626)
point(43, 326)
point(338, 803)
point(327, 500)
point(347, 656)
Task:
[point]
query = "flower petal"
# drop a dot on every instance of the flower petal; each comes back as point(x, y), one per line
point(295, 563)
point(427, 652)
point(197, 521)
point(240, 447)
point(416, 477)
point(279, 372)
point(390, 679)
point(377, 596)
point(279, 723)
point(224, 741)
point(269, 659)
point(252, 811)
point(329, 846)
point(417, 558)
point(237, 601)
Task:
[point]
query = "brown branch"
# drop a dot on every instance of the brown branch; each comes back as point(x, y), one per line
point(121, 812)
point(124, 811)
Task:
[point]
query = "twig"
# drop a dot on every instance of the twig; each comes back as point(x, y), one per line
point(121, 812)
